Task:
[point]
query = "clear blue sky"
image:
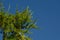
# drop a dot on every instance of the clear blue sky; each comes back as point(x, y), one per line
point(48, 14)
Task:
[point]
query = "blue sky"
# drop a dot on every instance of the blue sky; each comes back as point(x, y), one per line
point(46, 11)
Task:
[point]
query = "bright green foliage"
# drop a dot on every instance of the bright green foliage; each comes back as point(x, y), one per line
point(15, 26)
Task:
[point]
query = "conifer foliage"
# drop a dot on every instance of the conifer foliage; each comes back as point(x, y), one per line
point(15, 26)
